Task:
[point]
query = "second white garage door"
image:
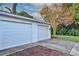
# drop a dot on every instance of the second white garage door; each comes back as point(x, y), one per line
point(43, 32)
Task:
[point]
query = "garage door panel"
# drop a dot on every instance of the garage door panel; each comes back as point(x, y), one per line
point(43, 32)
point(15, 34)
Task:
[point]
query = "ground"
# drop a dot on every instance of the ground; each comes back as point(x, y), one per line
point(50, 47)
point(39, 51)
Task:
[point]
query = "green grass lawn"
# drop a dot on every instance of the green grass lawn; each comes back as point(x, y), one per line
point(68, 38)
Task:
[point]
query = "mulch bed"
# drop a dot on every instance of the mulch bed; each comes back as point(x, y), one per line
point(39, 51)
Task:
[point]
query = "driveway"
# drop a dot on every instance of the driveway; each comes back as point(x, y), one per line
point(51, 47)
point(39, 51)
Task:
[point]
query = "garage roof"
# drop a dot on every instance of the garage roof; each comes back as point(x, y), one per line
point(21, 17)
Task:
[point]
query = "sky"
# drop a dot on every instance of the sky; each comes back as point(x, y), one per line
point(31, 8)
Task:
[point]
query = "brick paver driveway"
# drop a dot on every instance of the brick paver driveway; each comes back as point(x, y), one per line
point(39, 51)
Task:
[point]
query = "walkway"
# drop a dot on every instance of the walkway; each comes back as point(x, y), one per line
point(68, 47)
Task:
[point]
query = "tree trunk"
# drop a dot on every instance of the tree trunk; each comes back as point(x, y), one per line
point(54, 28)
point(14, 8)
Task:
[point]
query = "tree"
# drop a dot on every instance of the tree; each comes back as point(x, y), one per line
point(67, 16)
point(75, 8)
point(50, 15)
point(8, 9)
point(14, 8)
point(57, 14)
point(25, 14)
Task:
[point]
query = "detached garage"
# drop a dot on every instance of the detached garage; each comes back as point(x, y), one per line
point(17, 30)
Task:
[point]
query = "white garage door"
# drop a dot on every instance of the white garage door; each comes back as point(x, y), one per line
point(14, 34)
point(43, 32)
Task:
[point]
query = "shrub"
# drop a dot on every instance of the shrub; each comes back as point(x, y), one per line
point(74, 32)
point(69, 30)
point(61, 30)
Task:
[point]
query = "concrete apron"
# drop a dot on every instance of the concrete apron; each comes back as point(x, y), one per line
point(9, 51)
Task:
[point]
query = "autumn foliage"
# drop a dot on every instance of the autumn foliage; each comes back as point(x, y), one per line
point(57, 14)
